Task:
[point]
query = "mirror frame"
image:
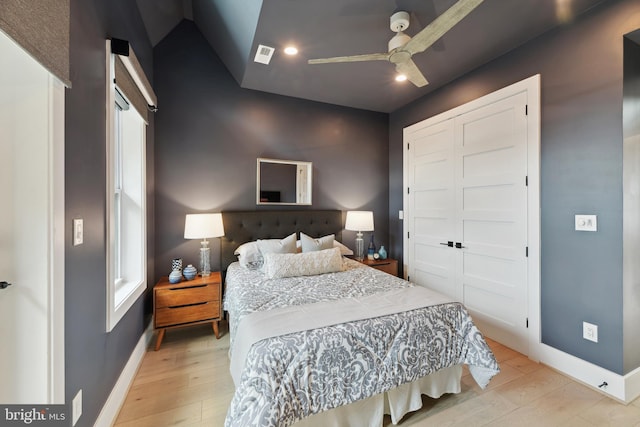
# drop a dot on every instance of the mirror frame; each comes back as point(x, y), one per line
point(303, 181)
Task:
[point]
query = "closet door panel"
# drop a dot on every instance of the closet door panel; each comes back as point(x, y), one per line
point(491, 212)
point(431, 202)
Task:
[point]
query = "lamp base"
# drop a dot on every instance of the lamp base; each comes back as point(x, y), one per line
point(205, 259)
point(359, 254)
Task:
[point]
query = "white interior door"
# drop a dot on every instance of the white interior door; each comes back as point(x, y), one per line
point(491, 212)
point(468, 210)
point(431, 204)
point(31, 256)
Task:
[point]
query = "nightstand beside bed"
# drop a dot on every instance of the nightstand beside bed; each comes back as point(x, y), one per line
point(187, 303)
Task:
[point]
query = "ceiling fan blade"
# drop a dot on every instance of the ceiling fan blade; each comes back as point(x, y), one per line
point(353, 58)
point(443, 23)
point(411, 71)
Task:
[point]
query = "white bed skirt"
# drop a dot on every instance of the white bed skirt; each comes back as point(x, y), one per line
point(397, 402)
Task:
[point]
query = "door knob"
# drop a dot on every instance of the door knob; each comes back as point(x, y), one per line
point(4, 284)
point(450, 244)
point(459, 245)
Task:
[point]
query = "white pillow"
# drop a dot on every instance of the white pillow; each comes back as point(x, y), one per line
point(302, 264)
point(309, 244)
point(344, 250)
point(278, 246)
point(249, 255)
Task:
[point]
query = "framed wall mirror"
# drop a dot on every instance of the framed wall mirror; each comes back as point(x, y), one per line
point(283, 182)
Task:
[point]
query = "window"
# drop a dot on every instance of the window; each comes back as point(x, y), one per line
point(126, 199)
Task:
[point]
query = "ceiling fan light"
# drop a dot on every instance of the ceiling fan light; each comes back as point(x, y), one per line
point(291, 50)
point(401, 78)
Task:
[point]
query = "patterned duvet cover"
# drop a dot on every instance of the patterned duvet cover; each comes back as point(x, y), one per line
point(288, 377)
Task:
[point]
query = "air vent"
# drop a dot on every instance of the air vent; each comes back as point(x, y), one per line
point(264, 54)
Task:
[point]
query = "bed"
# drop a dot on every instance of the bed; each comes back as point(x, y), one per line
point(320, 339)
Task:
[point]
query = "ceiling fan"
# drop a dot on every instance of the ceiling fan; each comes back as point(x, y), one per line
point(402, 47)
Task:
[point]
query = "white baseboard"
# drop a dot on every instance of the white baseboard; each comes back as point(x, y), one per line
point(118, 394)
point(624, 388)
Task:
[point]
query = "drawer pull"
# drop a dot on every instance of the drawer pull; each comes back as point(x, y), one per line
point(188, 305)
point(187, 287)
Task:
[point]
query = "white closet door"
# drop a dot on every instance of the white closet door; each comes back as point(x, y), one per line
point(491, 218)
point(431, 204)
point(467, 213)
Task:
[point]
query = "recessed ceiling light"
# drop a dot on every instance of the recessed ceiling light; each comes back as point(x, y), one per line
point(401, 78)
point(290, 50)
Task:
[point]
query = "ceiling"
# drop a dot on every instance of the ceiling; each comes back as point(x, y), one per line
point(327, 28)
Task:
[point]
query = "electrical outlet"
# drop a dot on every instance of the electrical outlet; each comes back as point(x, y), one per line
point(76, 409)
point(590, 331)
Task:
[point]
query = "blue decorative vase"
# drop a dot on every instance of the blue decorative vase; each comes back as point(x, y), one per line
point(382, 252)
point(190, 272)
point(175, 276)
point(372, 249)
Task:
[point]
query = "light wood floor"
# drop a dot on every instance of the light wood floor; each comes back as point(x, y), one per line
point(187, 383)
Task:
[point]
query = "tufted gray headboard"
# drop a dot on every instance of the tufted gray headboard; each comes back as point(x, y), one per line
point(245, 226)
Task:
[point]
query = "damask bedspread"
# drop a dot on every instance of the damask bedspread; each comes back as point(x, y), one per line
point(287, 377)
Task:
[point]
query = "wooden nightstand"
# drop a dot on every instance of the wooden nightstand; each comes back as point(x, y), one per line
point(187, 303)
point(387, 265)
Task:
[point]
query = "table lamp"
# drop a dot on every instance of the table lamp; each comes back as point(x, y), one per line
point(204, 226)
point(359, 221)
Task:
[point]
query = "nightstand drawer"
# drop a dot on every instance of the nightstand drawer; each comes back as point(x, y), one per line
point(184, 296)
point(169, 316)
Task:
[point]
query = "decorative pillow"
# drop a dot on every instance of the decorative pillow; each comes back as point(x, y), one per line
point(344, 250)
point(278, 246)
point(303, 264)
point(309, 244)
point(249, 255)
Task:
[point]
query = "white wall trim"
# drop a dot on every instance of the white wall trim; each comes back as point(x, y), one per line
point(119, 392)
point(624, 388)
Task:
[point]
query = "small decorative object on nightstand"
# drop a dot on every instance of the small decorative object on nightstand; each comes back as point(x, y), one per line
point(175, 276)
point(190, 272)
point(371, 252)
point(187, 303)
point(382, 252)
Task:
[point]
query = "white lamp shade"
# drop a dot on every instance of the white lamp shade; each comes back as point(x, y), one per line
point(202, 226)
point(359, 221)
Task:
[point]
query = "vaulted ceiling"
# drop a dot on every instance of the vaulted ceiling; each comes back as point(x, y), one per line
point(327, 28)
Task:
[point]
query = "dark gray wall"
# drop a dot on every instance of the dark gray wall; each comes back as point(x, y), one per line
point(210, 132)
point(581, 170)
point(94, 358)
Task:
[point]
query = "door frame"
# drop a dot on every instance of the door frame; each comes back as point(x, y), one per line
point(530, 86)
point(57, 233)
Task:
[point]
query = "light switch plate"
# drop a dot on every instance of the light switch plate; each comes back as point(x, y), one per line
point(586, 223)
point(78, 232)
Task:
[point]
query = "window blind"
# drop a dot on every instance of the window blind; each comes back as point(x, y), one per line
point(41, 27)
point(131, 79)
